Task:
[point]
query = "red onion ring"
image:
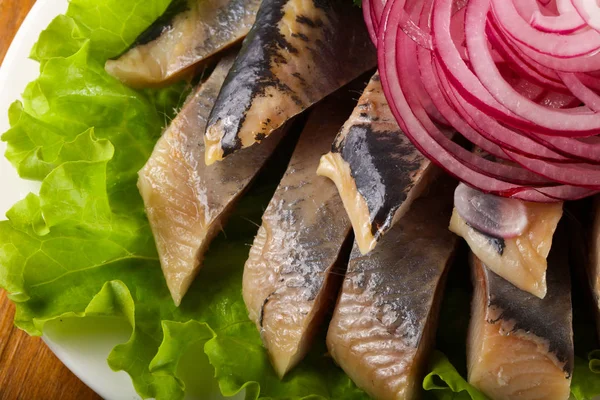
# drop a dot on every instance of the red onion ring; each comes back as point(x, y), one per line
point(371, 22)
point(565, 23)
point(417, 133)
point(589, 11)
point(508, 75)
point(564, 46)
point(582, 92)
point(487, 73)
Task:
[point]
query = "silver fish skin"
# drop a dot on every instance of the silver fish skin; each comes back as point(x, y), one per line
point(185, 201)
point(520, 347)
point(293, 272)
point(385, 319)
point(188, 34)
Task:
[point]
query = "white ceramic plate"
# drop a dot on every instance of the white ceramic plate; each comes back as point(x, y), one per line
point(81, 344)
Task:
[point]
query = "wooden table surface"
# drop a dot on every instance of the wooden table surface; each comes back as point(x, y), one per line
point(28, 369)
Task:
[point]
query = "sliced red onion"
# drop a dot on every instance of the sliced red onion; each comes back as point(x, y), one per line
point(581, 149)
point(565, 192)
point(377, 7)
point(504, 137)
point(387, 45)
point(542, 75)
point(577, 174)
point(586, 63)
point(563, 46)
point(566, 102)
point(589, 80)
point(585, 94)
point(370, 22)
point(565, 6)
point(419, 36)
point(495, 216)
point(431, 83)
point(510, 76)
point(488, 74)
point(490, 129)
point(565, 23)
point(406, 72)
point(526, 8)
point(589, 11)
point(477, 94)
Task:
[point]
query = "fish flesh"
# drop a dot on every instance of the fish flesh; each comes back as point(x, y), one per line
point(185, 201)
point(289, 280)
point(384, 323)
point(188, 33)
point(377, 170)
point(297, 53)
point(520, 347)
point(522, 259)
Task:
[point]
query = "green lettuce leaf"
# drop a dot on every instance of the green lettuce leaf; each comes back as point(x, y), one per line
point(445, 383)
point(83, 247)
point(586, 378)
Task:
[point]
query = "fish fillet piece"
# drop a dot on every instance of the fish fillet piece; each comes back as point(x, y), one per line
point(297, 53)
point(520, 347)
point(520, 260)
point(377, 170)
point(384, 323)
point(189, 32)
point(289, 282)
point(187, 202)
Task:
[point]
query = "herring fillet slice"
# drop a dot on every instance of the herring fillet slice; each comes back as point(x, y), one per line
point(297, 53)
point(189, 32)
point(520, 260)
point(520, 347)
point(376, 169)
point(384, 323)
point(185, 201)
point(288, 282)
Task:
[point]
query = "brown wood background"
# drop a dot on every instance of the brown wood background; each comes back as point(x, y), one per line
point(28, 369)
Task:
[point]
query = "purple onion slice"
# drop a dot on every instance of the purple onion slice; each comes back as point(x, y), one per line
point(495, 216)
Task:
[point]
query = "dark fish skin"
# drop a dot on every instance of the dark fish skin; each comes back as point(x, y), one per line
point(187, 202)
point(498, 243)
point(384, 167)
point(289, 281)
point(530, 313)
point(297, 53)
point(523, 329)
point(189, 33)
point(384, 323)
